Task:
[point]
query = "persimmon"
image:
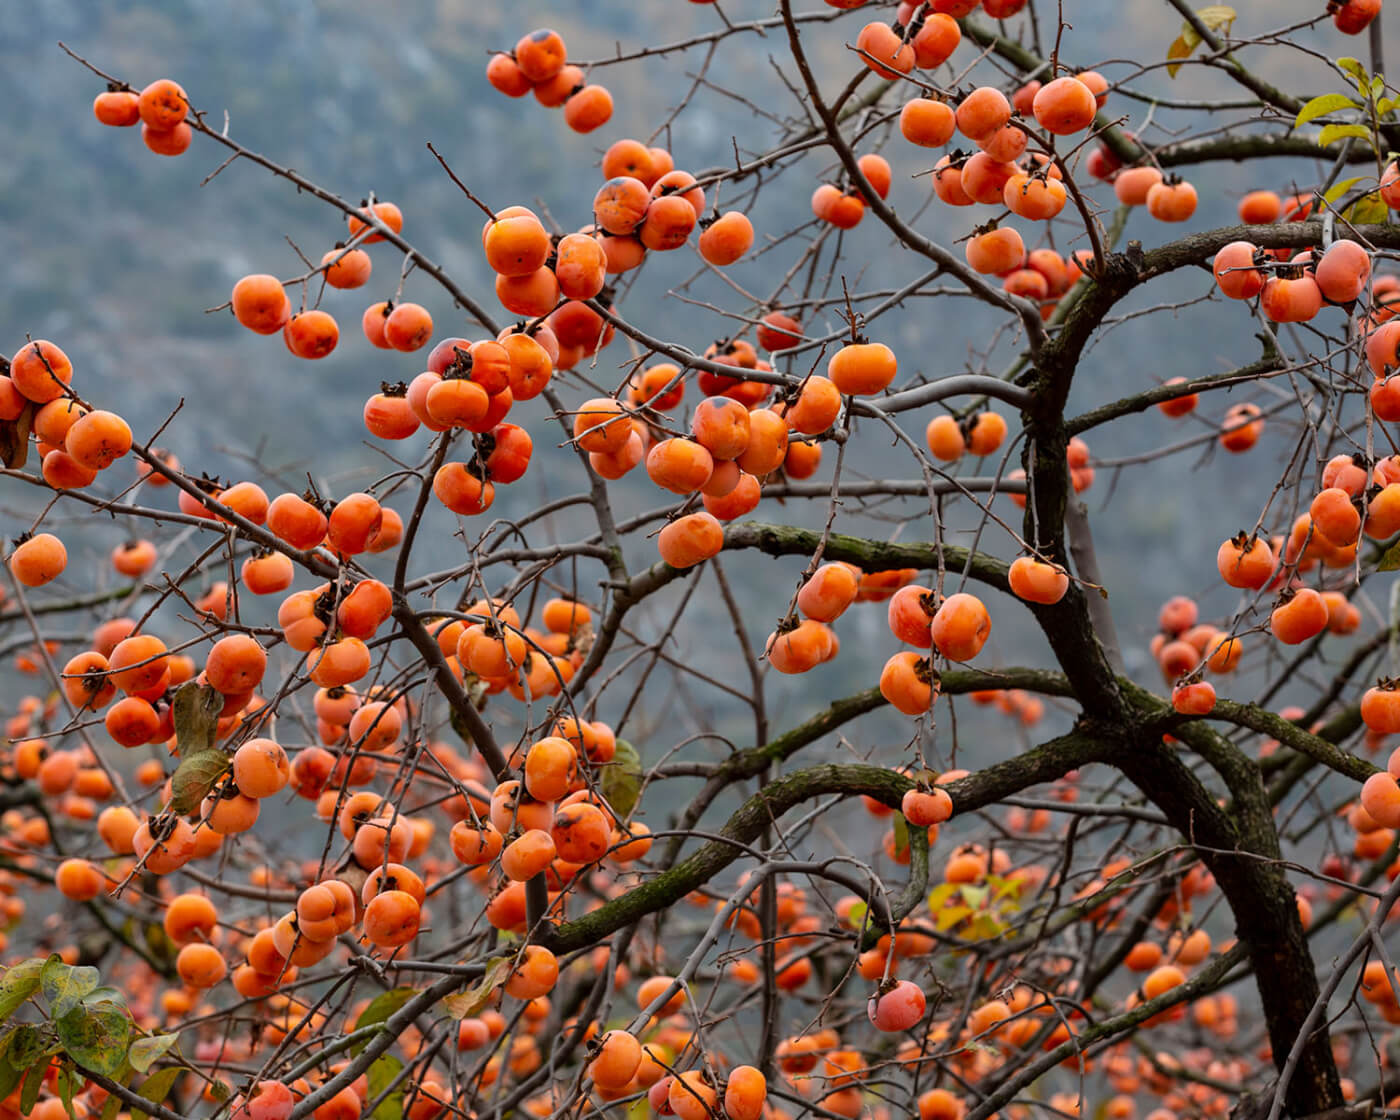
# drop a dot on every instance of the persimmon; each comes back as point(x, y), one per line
point(984, 178)
point(40, 371)
point(1171, 201)
point(38, 559)
point(1132, 185)
point(1262, 207)
point(1195, 698)
point(540, 54)
point(1291, 299)
point(588, 108)
point(1034, 198)
point(1065, 106)
point(668, 224)
point(297, 521)
point(884, 51)
point(727, 239)
point(816, 408)
point(535, 973)
point(862, 368)
point(960, 627)
point(722, 426)
point(926, 807)
point(876, 170)
point(935, 42)
point(408, 327)
point(896, 1008)
point(1335, 515)
point(1343, 272)
point(996, 250)
point(1352, 17)
point(982, 112)
point(800, 648)
point(372, 324)
point(554, 92)
point(1037, 581)
point(311, 334)
point(388, 415)
point(690, 540)
point(947, 182)
point(167, 142)
point(621, 204)
point(1246, 561)
point(1241, 428)
point(261, 304)
point(840, 208)
point(1300, 616)
point(118, 108)
point(505, 76)
point(163, 105)
point(386, 214)
point(926, 121)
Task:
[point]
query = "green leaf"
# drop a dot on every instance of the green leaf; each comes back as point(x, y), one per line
point(1333, 132)
point(66, 1084)
point(1368, 210)
point(111, 1106)
point(1321, 105)
point(1339, 189)
point(29, 1095)
point(65, 985)
point(26, 1047)
point(220, 1090)
point(18, 984)
point(380, 1075)
point(144, 1051)
point(195, 711)
point(975, 896)
point(194, 778)
point(464, 1005)
point(9, 1077)
point(1353, 67)
point(380, 1008)
point(855, 917)
point(622, 779)
point(1377, 86)
point(157, 1087)
point(96, 1036)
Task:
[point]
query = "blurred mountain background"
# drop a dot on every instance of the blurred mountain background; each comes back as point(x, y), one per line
point(115, 253)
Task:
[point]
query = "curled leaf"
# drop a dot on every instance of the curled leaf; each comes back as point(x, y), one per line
point(464, 1005)
point(194, 778)
point(195, 711)
point(14, 437)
